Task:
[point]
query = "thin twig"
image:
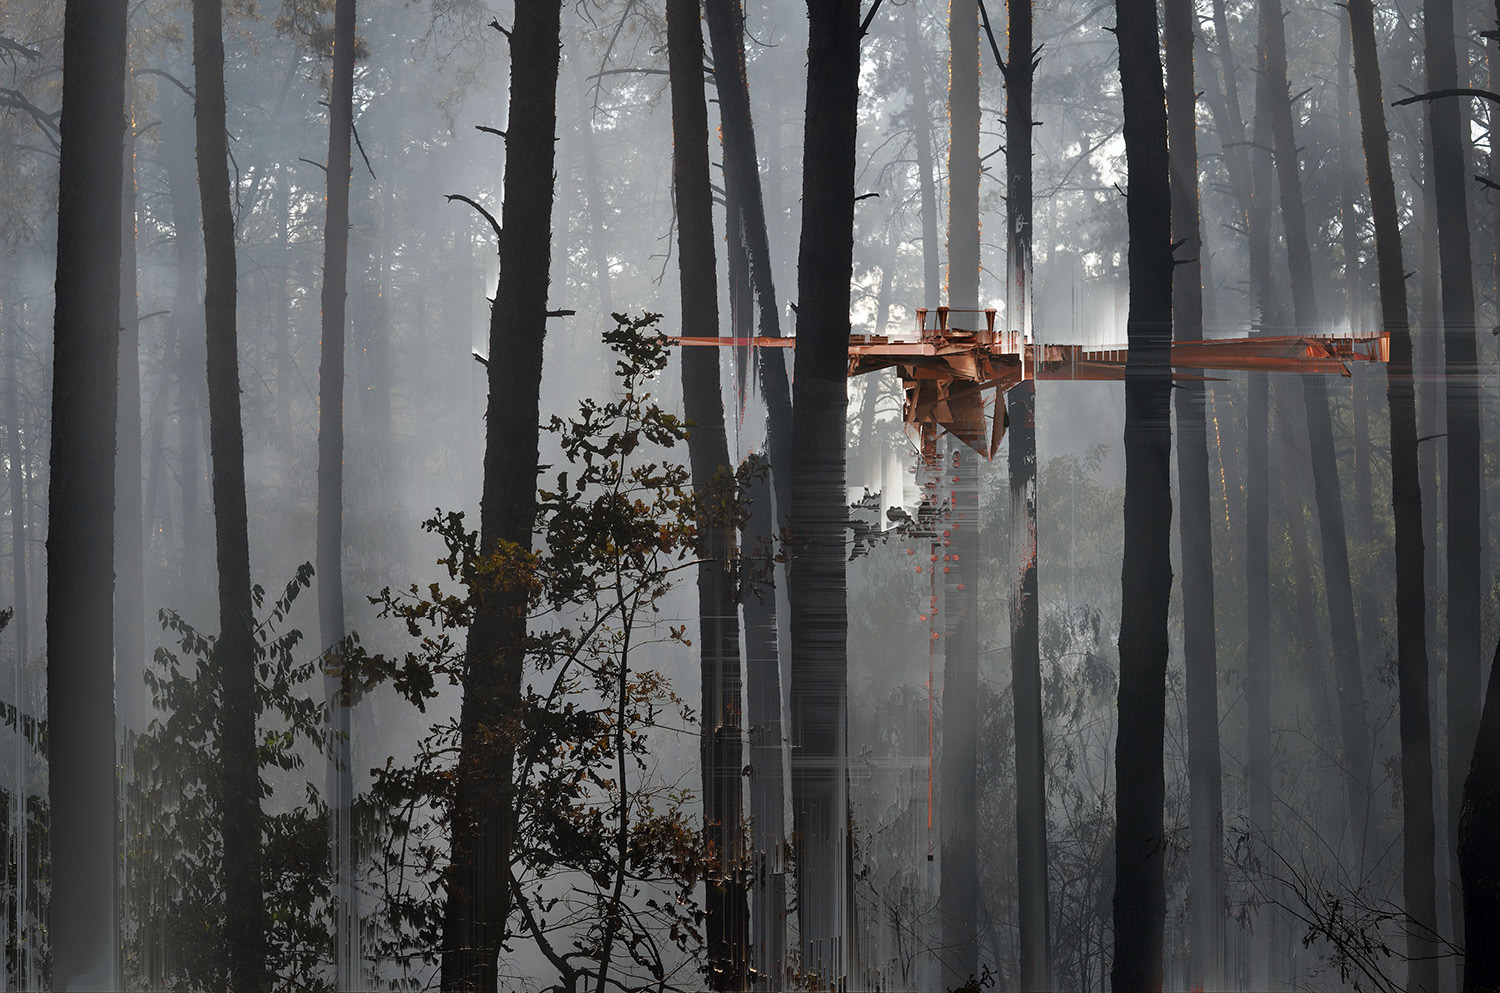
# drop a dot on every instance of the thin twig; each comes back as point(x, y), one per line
point(487, 215)
point(1461, 91)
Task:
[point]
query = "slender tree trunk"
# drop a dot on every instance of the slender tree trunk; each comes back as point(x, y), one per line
point(819, 593)
point(1195, 524)
point(708, 452)
point(1479, 846)
point(767, 783)
point(1146, 576)
point(15, 479)
point(1418, 835)
point(958, 889)
point(478, 901)
point(1356, 756)
point(130, 563)
point(1228, 120)
point(80, 499)
point(598, 246)
point(1448, 123)
point(916, 61)
point(245, 922)
point(330, 524)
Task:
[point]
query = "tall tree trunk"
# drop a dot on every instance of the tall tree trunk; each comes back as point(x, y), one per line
point(1228, 118)
point(1418, 835)
point(598, 247)
point(281, 203)
point(1447, 123)
point(1479, 846)
point(708, 453)
point(1146, 576)
point(330, 524)
point(15, 480)
point(1354, 728)
point(130, 563)
point(958, 886)
point(80, 499)
point(767, 782)
point(478, 900)
point(920, 110)
point(819, 608)
point(245, 922)
point(1195, 524)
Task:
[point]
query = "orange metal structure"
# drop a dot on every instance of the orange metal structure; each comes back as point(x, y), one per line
point(947, 371)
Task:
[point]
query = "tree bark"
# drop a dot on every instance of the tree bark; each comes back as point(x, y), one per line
point(1146, 576)
point(598, 249)
point(245, 922)
point(1479, 846)
point(478, 895)
point(721, 743)
point(1418, 835)
point(80, 499)
point(1353, 723)
point(1195, 524)
point(330, 522)
point(130, 565)
point(1448, 123)
point(916, 61)
point(819, 617)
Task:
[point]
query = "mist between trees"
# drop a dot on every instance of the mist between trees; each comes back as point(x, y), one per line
point(393, 600)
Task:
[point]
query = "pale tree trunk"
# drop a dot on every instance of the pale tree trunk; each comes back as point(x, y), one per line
point(330, 523)
point(80, 499)
point(721, 745)
point(958, 888)
point(484, 816)
point(598, 247)
point(245, 922)
point(130, 604)
point(819, 593)
point(1356, 757)
point(1418, 836)
point(1146, 575)
point(920, 109)
point(1195, 525)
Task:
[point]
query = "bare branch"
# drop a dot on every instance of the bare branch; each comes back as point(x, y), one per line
point(1461, 91)
point(487, 215)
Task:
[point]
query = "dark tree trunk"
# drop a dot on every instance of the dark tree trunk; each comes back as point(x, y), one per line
point(1225, 105)
point(819, 609)
point(708, 453)
point(245, 922)
point(767, 781)
point(1195, 523)
point(330, 537)
point(1448, 127)
point(1146, 576)
point(130, 548)
point(478, 898)
point(920, 110)
point(958, 886)
point(80, 499)
point(1354, 728)
point(1418, 835)
point(1479, 846)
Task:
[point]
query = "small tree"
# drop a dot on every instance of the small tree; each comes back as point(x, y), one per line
point(606, 860)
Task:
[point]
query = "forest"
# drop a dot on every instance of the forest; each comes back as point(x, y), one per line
point(666, 495)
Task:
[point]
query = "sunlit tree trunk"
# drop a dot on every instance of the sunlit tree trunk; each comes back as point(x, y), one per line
point(1146, 576)
point(920, 109)
point(478, 895)
point(708, 453)
point(1418, 835)
point(819, 594)
point(130, 604)
point(80, 499)
point(330, 524)
point(1205, 786)
point(245, 922)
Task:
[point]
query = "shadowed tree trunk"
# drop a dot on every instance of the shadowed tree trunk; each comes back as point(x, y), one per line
point(708, 452)
point(245, 922)
point(819, 594)
point(1479, 846)
point(1195, 523)
point(80, 499)
point(1354, 728)
point(478, 897)
point(330, 537)
point(958, 886)
point(132, 705)
point(1418, 835)
point(1146, 575)
point(1448, 126)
